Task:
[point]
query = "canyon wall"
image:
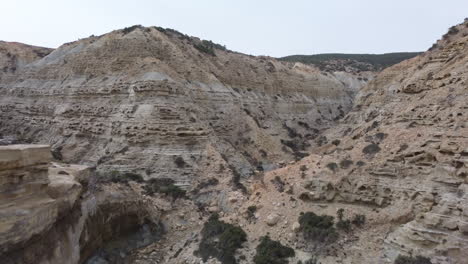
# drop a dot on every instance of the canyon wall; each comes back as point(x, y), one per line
point(151, 101)
point(399, 158)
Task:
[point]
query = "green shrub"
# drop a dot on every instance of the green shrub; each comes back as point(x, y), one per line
point(344, 224)
point(345, 164)
point(318, 228)
point(205, 47)
point(332, 166)
point(371, 149)
point(220, 240)
point(412, 260)
point(272, 252)
point(359, 220)
point(120, 177)
point(130, 29)
point(251, 211)
point(165, 186)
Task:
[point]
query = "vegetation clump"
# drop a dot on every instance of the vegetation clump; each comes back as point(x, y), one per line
point(130, 29)
point(345, 164)
point(371, 149)
point(344, 224)
point(220, 240)
point(361, 61)
point(164, 186)
point(251, 211)
point(121, 177)
point(272, 252)
point(208, 47)
point(359, 220)
point(412, 260)
point(319, 228)
point(332, 166)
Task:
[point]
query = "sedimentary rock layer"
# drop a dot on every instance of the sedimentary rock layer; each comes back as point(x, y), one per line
point(140, 98)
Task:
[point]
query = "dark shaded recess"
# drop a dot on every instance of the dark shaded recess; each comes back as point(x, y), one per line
point(109, 223)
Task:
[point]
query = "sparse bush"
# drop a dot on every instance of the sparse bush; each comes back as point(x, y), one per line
point(344, 164)
point(332, 166)
point(251, 211)
point(343, 224)
point(165, 186)
point(120, 177)
point(220, 240)
point(208, 47)
point(453, 30)
point(371, 149)
point(318, 228)
point(278, 183)
point(412, 260)
point(130, 29)
point(180, 162)
point(272, 252)
point(359, 220)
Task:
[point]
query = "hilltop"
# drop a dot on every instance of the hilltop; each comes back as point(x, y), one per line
point(352, 62)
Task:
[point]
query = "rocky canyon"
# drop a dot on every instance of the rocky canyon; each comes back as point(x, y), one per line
point(145, 145)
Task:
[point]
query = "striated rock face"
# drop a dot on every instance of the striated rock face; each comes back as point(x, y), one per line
point(399, 158)
point(26, 208)
point(48, 215)
point(151, 101)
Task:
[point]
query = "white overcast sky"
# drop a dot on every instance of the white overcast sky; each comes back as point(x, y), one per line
point(257, 27)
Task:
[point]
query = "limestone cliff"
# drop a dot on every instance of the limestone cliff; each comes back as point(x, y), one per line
point(153, 101)
point(219, 123)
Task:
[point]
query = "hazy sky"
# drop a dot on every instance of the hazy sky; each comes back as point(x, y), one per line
point(258, 27)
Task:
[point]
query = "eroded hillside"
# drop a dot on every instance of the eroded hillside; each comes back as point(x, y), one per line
point(378, 176)
point(14, 55)
point(397, 161)
point(154, 101)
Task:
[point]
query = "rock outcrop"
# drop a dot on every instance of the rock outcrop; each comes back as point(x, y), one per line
point(48, 215)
